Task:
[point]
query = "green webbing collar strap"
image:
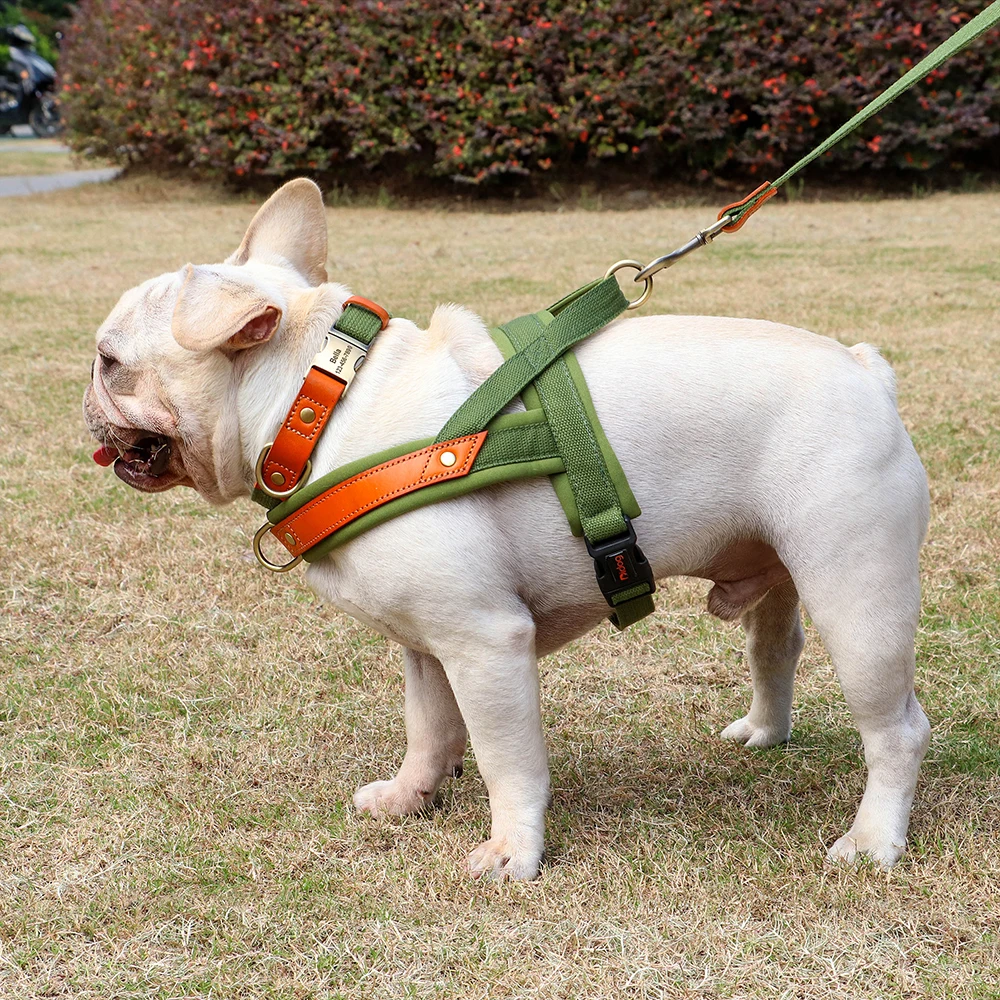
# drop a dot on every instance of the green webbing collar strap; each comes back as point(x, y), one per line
point(358, 321)
point(733, 216)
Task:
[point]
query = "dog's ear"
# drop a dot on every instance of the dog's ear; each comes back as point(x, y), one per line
point(289, 228)
point(219, 307)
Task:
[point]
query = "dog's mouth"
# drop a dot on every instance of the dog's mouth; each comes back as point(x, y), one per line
point(143, 464)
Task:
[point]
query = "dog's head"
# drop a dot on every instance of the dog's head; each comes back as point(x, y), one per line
point(161, 401)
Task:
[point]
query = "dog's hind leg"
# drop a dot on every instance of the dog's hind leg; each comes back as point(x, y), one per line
point(864, 596)
point(874, 657)
point(773, 628)
point(435, 742)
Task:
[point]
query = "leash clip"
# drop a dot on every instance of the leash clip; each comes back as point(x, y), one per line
point(697, 241)
point(619, 564)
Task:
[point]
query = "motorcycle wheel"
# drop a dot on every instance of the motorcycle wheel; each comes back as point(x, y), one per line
point(44, 118)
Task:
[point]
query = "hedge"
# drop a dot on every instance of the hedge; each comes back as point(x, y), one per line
point(476, 92)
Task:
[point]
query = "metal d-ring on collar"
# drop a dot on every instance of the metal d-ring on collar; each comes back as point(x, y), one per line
point(258, 473)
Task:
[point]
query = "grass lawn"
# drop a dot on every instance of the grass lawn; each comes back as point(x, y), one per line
point(32, 163)
point(182, 732)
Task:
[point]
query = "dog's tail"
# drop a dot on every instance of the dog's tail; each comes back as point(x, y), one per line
point(872, 360)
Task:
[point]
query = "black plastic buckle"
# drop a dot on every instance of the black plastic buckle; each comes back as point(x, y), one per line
point(620, 564)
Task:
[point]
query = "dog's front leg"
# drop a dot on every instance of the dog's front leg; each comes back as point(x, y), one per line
point(496, 686)
point(435, 742)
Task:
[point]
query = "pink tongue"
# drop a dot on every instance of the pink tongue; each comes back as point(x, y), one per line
point(105, 455)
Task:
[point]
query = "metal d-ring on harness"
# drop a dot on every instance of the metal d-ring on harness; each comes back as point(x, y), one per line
point(557, 435)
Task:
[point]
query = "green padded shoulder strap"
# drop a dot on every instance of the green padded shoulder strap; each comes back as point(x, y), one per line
point(541, 340)
point(585, 312)
point(579, 437)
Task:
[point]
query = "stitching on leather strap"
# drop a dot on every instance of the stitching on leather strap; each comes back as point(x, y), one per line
point(278, 465)
point(422, 480)
point(317, 423)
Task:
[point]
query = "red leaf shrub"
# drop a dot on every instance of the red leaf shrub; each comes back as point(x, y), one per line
point(481, 90)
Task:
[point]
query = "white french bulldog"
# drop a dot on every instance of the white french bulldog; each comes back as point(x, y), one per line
point(766, 459)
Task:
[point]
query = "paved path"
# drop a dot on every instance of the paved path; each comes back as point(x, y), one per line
point(14, 186)
point(23, 140)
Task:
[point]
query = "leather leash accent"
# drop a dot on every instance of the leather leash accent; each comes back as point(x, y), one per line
point(284, 465)
point(743, 201)
point(348, 500)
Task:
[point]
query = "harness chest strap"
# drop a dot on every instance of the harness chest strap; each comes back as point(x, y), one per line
point(347, 501)
point(285, 463)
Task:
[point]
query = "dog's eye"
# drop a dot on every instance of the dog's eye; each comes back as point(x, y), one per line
point(107, 362)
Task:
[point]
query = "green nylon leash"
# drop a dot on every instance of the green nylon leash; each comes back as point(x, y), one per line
point(965, 35)
point(733, 216)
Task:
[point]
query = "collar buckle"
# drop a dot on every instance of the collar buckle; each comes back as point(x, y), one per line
point(340, 357)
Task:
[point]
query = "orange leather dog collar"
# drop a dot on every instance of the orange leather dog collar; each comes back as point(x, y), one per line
point(284, 464)
point(348, 500)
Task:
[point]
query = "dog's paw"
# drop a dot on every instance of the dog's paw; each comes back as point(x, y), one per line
point(752, 735)
point(392, 798)
point(852, 847)
point(498, 858)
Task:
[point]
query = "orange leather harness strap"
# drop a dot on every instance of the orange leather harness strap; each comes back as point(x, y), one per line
point(348, 500)
point(285, 464)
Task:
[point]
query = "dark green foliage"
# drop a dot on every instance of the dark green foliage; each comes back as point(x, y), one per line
point(480, 91)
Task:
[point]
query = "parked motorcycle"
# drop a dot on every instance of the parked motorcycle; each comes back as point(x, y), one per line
point(27, 86)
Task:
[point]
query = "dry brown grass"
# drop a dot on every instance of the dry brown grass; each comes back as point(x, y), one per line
point(181, 731)
point(35, 164)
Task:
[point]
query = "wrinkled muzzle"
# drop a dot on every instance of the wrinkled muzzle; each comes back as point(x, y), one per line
point(142, 458)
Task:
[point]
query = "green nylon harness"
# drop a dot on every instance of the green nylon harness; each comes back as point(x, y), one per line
point(557, 435)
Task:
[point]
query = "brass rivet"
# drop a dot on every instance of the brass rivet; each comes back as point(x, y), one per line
point(290, 538)
point(307, 414)
point(277, 479)
point(448, 459)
